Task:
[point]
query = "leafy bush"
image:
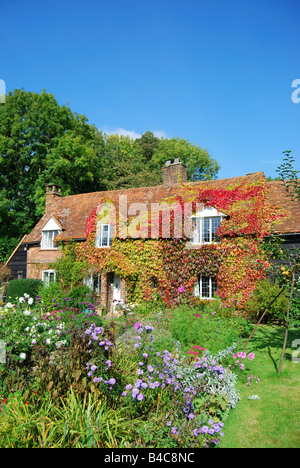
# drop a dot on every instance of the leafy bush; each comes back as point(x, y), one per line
point(54, 296)
point(18, 287)
point(201, 327)
point(260, 299)
point(71, 422)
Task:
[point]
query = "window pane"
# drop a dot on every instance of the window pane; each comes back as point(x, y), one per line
point(215, 223)
point(196, 230)
point(104, 235)
point(205, 287)
point(48, 239)
point(197, 287)
point(110, 235)
point(214, 287)
point(206, 230)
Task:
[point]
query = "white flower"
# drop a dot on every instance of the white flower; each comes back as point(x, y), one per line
point(27, 312)
point(22, 356)
point(9, 305)
point(26, 295)
point(30, 301)
point(48, 341)
point(21, 299)
point(59, 344)
point(33, 341)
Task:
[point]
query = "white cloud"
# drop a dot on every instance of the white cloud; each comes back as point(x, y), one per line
point(121, 131)
point(159, 134)
point(131, 133)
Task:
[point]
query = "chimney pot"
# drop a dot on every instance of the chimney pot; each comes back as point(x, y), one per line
point(53, 191)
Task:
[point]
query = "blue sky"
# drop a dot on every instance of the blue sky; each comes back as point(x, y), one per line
point(217, 73)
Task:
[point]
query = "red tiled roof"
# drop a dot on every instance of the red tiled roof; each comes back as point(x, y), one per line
point(278, 196)
point(72, 211)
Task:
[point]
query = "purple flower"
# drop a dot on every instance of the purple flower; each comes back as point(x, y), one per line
point(181, 289)
point(174, 430)
point(128, 387)
point(112, 381)
point(140, 397)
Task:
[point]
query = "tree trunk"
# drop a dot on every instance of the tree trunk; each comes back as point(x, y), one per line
point(288, 316)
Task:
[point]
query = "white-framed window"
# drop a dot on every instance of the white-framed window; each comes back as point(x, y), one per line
point(49, 232)
point(104, 236)
point(48, 276)
point(93, 282)
point(48, 239)
point(205, 225)
point(205, 287)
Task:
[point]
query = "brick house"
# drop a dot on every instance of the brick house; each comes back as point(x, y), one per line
point(67, 217)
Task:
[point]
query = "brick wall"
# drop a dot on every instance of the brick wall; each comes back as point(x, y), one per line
point(39, 259)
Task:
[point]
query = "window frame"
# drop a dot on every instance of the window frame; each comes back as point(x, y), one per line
point(48, 243)
point(99, 236)
point(199, 289)
point(48, 280)
point(93, 282)
point(200, 220)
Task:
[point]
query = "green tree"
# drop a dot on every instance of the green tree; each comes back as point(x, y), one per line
point(41, 142)
point(128, 163)
point(198, 161)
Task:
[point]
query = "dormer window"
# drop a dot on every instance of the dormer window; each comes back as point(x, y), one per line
point(104, 236)
point(49, 232)
point(205, 225)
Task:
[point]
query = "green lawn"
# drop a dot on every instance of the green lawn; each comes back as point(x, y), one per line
point(273, 421)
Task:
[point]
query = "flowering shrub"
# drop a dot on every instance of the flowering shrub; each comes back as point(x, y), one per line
point(159, 379)
point(21, 329)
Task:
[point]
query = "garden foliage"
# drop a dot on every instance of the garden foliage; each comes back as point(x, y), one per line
point(68, 364)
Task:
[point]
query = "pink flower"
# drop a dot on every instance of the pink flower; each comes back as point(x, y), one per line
point(242, 355)
point(251, 356)
point(137, 325)
point(181, 289)
point(197, 315)
point(234, 356)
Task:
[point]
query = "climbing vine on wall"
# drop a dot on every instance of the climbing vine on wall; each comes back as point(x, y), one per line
point(165, 266)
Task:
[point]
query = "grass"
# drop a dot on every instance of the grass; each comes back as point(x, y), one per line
point(273, 421)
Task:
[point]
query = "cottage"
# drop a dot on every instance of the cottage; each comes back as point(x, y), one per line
point(67, 217)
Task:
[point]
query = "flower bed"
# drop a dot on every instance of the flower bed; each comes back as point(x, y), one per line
point(172, 398)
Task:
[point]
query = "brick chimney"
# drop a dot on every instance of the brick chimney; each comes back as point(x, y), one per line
point(53, 191)
point(174, 173)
